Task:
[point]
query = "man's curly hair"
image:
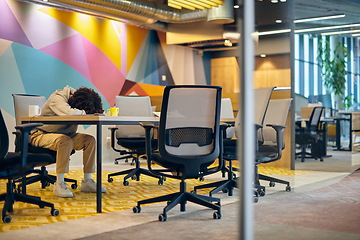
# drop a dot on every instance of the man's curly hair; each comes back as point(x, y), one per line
point(86, 99)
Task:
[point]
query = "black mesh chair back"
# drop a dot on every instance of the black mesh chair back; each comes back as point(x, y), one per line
point(189, 126)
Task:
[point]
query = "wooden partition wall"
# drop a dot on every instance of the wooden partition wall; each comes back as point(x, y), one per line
point(270, 71)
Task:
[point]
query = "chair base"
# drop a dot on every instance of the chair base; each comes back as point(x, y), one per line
point(181, 198)
point(135, 174)
point(10, 197)
point(44, 178)
point(303, 155)
point(272, 181)
point(227, 186)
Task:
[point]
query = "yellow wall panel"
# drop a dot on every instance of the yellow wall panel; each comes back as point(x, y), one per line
point(135, 37)
point(103, 34)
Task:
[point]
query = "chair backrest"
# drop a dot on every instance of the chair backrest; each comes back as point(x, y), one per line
point(227, 112)
point(139, 106)
point(189, 126)
point(261, 98)
point(276, 114)
point(4, 137)
point(22, 103)
point(314, 119)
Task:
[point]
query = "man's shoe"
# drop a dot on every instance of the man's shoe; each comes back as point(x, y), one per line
point(90, 186)
point(61, 190)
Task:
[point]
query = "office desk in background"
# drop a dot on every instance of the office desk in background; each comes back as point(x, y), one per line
point(98, 121)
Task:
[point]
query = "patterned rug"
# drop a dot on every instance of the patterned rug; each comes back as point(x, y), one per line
point(118, 197)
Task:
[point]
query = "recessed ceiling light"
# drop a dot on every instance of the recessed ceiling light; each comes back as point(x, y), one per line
point(282, 0)
point(263, 55)
point(278, 21)
point(236, 6)
point(274, 1)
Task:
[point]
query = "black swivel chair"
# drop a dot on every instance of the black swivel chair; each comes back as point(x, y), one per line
point(21, 106)
point(132, 138)
point(308, 135)
point(189, 142)
point(14, 165)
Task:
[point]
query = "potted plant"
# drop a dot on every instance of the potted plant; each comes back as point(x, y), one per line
point(334, 71)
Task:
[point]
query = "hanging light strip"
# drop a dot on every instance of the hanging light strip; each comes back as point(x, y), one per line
point(194, 4)
point(340, 32)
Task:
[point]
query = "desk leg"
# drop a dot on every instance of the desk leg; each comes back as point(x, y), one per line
point(338, 137)
point(98, 167)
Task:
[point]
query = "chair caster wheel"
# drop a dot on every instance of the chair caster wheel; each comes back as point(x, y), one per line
point(217, 215)
point(6, 219)
point(126, 183)
point(321, 160)
point(256, 199)
point(201, 179)
point(164, 179)
point(47, 184)
point(193, 191)
point(261, 193)
point(74, 186)
point(160, 182)
point(116, 162)
point(302, 160)
point(162, 218)
point(225, 190)
point(110, 180)
point(55, 212)
point(136, 209)
point(288, 188)
point(271, 184)
point(134, 177)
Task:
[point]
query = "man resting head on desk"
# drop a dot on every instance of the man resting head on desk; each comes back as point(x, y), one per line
point(64, 138)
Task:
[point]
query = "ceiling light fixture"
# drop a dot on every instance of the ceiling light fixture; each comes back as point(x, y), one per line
point(194, 4)
point(318, 18)
point(326, 28)
point(282, 0)
point(340, 32)
point(356, 35)
point(273, 32)
point(236, 6)
point(274, 1)
point(263, 55)
point(278, 21)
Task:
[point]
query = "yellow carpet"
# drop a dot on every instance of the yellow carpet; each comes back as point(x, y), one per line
point(117, 198)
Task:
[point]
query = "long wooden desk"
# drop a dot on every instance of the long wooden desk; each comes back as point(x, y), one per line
point(98, 121)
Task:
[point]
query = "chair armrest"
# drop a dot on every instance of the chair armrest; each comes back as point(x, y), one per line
point(24, 141)
point(148, 127)
point(279, 137)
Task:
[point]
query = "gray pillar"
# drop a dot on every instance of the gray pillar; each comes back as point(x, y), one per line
point(246, 143)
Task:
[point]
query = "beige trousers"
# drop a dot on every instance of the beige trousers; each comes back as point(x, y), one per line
point(64, 144)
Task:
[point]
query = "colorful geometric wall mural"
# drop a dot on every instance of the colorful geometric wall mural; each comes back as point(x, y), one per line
point(44, 49)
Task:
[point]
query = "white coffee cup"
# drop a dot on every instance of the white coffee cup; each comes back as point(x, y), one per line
point(34, 110)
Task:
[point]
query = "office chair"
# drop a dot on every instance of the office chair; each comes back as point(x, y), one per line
point(14, 165)
point(190, 140)
point(132, 137)
point(262, 98)
point(273, 140)
point(21, 106)
point(309, 134)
